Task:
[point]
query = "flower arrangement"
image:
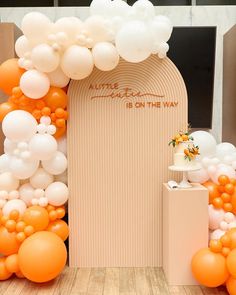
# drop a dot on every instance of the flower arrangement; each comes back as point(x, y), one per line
point(180, 137)
point(191, 152)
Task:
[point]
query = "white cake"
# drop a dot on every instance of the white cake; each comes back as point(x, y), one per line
point(180, 159)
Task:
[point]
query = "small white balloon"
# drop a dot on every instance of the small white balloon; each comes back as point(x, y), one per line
point(22, 46)
point(232, 225)
point(216, 216)
point(8, 182)
point(77, 62)
point(26, 192)
point(35, 201)
point(57, 193)
point(34, 84)
point(13, 195)
point(11, 205)
point(51, 129)
point(229, 217)
point(41, 179)
point(19, 126)
point(39, 193)
point(23, 169)
point(217, 234)
point(44, 58)
point(58, 78)
point(224, 225)
point(56, 165)
point(46, 120)
point(43, 202)
point(211, 170)
point(106, 56)
point(43, 146)
point(41, 128)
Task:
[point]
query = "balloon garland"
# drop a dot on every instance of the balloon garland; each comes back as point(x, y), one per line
point(33, 179)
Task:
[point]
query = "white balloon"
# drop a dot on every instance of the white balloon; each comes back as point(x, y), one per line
point(229, 217)
point(223, 169)
point(9, 146)
point(105, 56)
point(224, 149)
point(58, 78)
point(34, 84)
point(23, 169)
point(36, 26)
point(77, 62)
point(56, 165)
point(11, 205)
point(4, 163)
point(134, 42)
point(198, 176)
point(206, 143)
point(13, 195)
point(144, 9)
point(62, 144)
point(41, 179)
point(206, 162)
point(234, 165)
point(57, 193)
point(119, 8)
point(224, 225)
point(217, 234)
point(19, 126)
point(44, 58)
point(8, 182)
point(43, 146)
point(26, 192)
point(22, 46)
point(39, 193)
point(62, 177)
point(161, 30)
point(228, 159)
point(215, 161)
point(100, 7)
point(211, 170)
point(232, 224)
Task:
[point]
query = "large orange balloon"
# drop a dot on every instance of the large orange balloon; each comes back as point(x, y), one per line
point(60, 228)
point(10, 75)
point(37, 217)
point(8, 243)
point(231, 262)
point(60, 131)
point(209, 268)
point(56, 98)
point(213, 190)
point(42, 256)
point(4, 273)
point(6, 108)
point(231, 286)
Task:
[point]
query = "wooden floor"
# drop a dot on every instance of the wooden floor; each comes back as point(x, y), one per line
point(107, 281)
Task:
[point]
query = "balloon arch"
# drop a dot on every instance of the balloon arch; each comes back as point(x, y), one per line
point(33, 178)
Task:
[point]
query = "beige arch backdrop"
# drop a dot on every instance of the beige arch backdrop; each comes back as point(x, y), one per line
point(118, 133)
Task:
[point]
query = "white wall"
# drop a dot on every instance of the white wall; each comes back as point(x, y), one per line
point(224, 17)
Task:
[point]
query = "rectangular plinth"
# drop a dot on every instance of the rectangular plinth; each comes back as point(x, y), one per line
point(185, 231)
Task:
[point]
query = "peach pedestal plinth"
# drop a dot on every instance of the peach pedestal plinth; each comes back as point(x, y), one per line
point(185, 231)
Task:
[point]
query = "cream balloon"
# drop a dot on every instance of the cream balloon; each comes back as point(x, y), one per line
point(36, 26)
point(8, 182)
point(34, 84)
point(4, 163)
point(26, 192)
point(41, 179)
point(56, 165)
point(22, 46)
point(19, 126)
point(11, 205)
point(57, 193)
point(44, 58)
point(58, 78)
point(77, 62)
point(43, 146)
point(206, 143)
point(134, 42)
point(23, 169)
point(105, 56)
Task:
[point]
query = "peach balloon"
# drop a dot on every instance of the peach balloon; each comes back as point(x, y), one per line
point(10, 75)
point(4, 273)
point(209, 268)
point(12, 263)
point(42, 257)
point(60, 228)
point(8, 243)
point(37, 217)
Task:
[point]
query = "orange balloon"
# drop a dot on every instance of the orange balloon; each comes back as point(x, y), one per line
point(8, 242)
point(225, 251)
point(213, 190)
point(231, 262)
point(42, 256)
point(223, 179)
point(229, 188)
point(60, 131)
point(232, 234)
point(56, 98)
point(6, 108)
point(228, 207)
point(225, 240)
point(221, 188)
point(215, 246)
point(231, 286)
point(209, 268)
point(12, 263)
point(37, 217)
point(10, 75)
point(20, 275)
point(60, 228)
point(218, 203)
point(226, 197)
point(233, 201)
point(4, 273)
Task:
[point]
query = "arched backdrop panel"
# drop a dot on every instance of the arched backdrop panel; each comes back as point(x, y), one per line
point(118, 157)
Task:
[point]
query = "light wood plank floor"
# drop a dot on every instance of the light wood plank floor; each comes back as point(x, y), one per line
point(104, 281)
